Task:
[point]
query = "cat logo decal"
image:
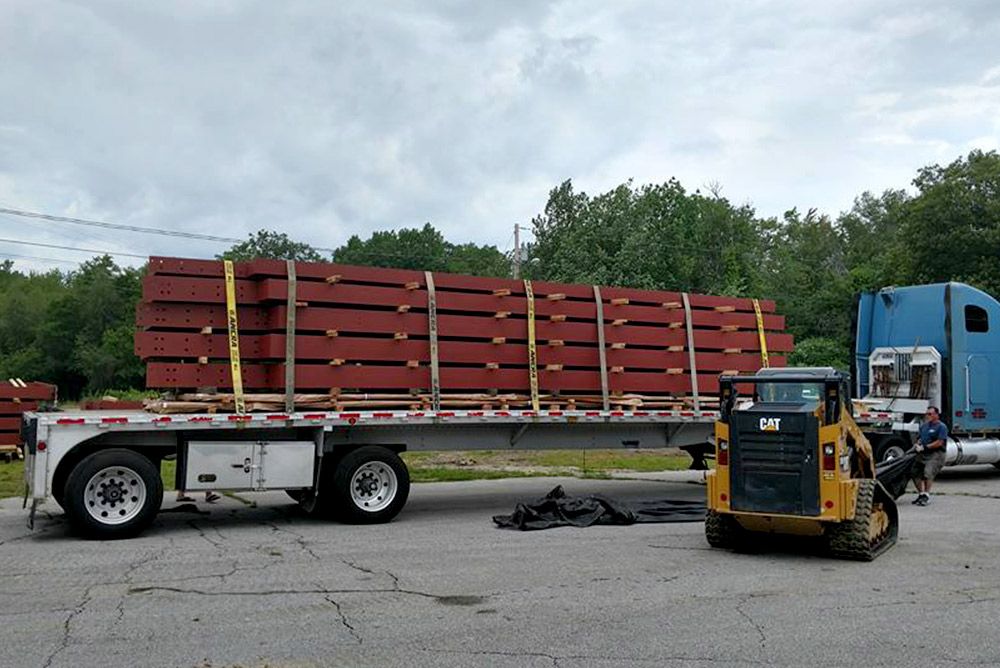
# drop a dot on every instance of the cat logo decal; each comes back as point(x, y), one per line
point(770, 424)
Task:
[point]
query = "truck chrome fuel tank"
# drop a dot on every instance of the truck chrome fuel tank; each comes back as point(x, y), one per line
point(968, 450)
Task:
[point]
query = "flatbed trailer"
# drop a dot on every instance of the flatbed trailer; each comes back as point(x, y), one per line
point(103, 468)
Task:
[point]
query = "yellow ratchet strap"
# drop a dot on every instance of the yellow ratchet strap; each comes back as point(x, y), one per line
point(234, 338)
point(764, 360)
point(532, 347)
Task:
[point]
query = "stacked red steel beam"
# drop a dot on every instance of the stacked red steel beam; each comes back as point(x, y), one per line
point(366, 329)
point(16, 398)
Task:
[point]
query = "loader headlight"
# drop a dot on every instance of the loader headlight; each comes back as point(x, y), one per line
point(723, 457)
point(828, 449)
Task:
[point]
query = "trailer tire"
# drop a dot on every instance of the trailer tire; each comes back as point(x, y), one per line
point(370, 486)
point(112, 494)
point(890, 448)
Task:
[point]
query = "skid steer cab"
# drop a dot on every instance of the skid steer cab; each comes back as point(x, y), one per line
point(791, 460)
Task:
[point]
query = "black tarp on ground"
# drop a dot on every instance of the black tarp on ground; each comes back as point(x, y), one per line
point(895, 473)
point(556, 509)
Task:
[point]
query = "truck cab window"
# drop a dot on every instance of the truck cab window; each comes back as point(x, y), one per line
point(976, 319)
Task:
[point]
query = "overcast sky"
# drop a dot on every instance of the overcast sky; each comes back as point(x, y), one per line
point(326, 119)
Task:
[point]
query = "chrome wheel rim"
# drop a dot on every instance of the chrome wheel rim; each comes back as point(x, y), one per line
point(893, 452)
point(115, 495)
point(374, 486)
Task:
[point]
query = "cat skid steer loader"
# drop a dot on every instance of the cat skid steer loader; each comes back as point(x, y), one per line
point(791, 460)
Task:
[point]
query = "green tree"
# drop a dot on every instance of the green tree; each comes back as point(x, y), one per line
point(808, 277)
point(99, 297)
point(952, 226)
point(871, 231)
point(821, 351)
point(271, 245)
point(653, 236)
point(422, 248)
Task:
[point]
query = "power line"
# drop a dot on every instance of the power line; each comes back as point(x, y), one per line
point(37, 257)
point(72, 248)
point(128, 228)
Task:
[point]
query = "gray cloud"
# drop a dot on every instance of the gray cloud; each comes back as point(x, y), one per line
point(329, 119)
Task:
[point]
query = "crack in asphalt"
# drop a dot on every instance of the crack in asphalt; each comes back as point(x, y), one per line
point(556, 658)
point(291, 592)
point(344, 621)
point(300, 539)
point(68, 622)
point(974, 495)
point(218, 543)
point(233, 570)
point(762, 638)
point(513, 654)
point(127, 579)
point(681, 548)
point(369, 571)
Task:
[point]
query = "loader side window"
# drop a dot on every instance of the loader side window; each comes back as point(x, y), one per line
point(976, 319)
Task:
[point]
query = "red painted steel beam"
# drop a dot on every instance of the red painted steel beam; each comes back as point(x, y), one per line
point(10, 423)
point(155, 344)
point(306, 271)
point(10, 438)
point(212, 291)
point(163, 345)
point(10, 408)
point(33, 390)
point(347, 319)
point(459, 326)
point(371, 378)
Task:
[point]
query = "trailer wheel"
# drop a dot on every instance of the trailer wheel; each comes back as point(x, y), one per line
point(112, 494)
point(890, 448)
point(370, 485)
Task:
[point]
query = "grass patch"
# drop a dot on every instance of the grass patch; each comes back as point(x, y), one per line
point(494, 464)
point(470, 465)
point(122, 395)
point(446, 474)
point(11, 479)
point(167, 471)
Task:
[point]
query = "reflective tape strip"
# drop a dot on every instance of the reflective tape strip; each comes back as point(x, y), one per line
point(432, 325)
point(290, 340)
point(601, 351)
point(691, 353)
point(764, 360)
point(234, 337)
point(532, 348)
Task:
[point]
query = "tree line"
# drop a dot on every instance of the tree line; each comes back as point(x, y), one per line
point(75, 328)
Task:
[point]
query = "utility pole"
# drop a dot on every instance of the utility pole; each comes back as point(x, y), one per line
point(517, 251)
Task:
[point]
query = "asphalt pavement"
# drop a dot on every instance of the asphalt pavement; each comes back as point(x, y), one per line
point(262, 585)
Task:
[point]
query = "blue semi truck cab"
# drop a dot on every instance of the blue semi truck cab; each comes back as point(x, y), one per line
point(926, 345)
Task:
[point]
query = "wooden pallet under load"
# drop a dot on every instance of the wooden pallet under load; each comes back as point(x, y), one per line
point(372, 337)
point(17, 397)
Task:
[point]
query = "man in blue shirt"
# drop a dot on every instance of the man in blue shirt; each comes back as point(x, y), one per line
point(931, 446)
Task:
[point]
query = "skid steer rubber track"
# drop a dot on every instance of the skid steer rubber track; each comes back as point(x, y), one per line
point(873, 529)
point(721, 531)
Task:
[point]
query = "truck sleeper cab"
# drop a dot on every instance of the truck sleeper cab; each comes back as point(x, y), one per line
point(926, 345)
